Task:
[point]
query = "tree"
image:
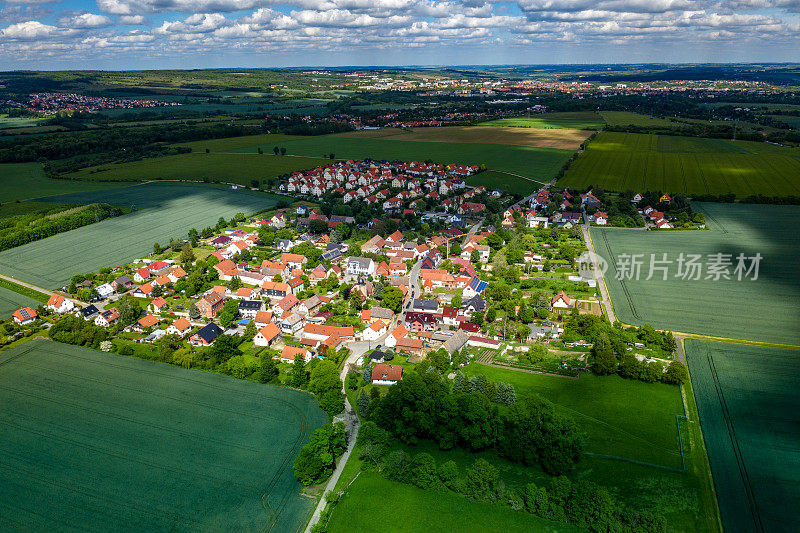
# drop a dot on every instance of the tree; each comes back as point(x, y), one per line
point(669, 343)
point(630, 367)
point(276, 150)
point(397, 466)
point(298, 375)
point(459, 383)
point(474, 256)
point(156, 249)
point(228, 314)
point(249, 331)
point(423, 471)
point(392, 298)
point(128, 310)
point(194, 312)
point(605, 360)
point(267, 370)
point(477, 318)
point(491, 314)
point(317, 459)
point(235, 283)
point(225, 347)
point(187, 255)
point(366, 373)
point(448, 474)
point(482, 481)
point(332, 402)
point(536, 500)
point(506, 395)
point(456, 301)
point(362, 403)
point(283, 150)
point(676, 373)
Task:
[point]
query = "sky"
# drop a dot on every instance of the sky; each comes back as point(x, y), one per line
point(151, 34)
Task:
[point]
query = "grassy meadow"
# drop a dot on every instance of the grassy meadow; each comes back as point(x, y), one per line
point(627, 118)
point(363, 508)
point(747, 397)
point(227, 167)
point(690, 165)
point(98, 442)
point(170, 210)
point(531, 162)
point(764, 309)
point(11, 300)
point(22, 181)
point(578, 120)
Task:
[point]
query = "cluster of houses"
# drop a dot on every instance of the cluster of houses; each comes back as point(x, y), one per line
point(374, 182)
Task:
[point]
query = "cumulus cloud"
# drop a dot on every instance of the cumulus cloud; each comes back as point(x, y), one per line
point(29, 31)
point(132, 19)
point(83, 21)
point(253, 26)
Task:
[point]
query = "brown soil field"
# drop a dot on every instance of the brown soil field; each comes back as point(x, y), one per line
point(539, 138)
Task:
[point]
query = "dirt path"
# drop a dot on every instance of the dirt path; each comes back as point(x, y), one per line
point(39, 289)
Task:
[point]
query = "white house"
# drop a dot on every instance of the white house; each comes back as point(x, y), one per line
point(180, 327)
point(105, 290)
point(360, 266)
point(59, 304)
point(375, 331)
point(383, 374)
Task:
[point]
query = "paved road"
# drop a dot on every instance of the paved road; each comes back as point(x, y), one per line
point(605, 300)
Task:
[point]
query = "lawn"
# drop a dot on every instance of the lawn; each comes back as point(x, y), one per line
point(23, 181)
point(747, 397)
point(626, 118)
point(579, 120)
point(690, 165)
point(538, 137)
point(624, 418)
point(19, 122)
point(98, 442)
point(227, 167)
point(764, 310)
point(536, 163)
point(373, 503)
point(170, 211)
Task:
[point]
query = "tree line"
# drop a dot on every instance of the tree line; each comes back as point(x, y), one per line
point(582, 503)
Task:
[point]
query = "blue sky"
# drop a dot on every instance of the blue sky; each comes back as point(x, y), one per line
point(143, 34)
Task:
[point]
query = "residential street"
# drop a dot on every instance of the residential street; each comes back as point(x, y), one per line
point(605, 300)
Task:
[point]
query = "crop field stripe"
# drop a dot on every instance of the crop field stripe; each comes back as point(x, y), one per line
point(73, 436)
point(734, 443)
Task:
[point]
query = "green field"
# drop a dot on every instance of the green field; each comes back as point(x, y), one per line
point(19, 122)
point(632, 421)
point(747, 397)
point(764, 310)
point(492, 179)
point(690, 165)
point(536, 163)
point(790, 120)
point(99, 442)
point(21, 181)
point(10, 301)
point(170, 211)
point(579, 120)
point(365, 504)
point(626, 118)
point(231, 143)
point(227, 167)
point(611, 411)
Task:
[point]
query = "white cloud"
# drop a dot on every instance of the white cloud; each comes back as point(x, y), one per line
point(83, 21)
point(29, 31)
point(132, 19)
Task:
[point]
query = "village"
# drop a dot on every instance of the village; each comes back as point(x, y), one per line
point(414, 279)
